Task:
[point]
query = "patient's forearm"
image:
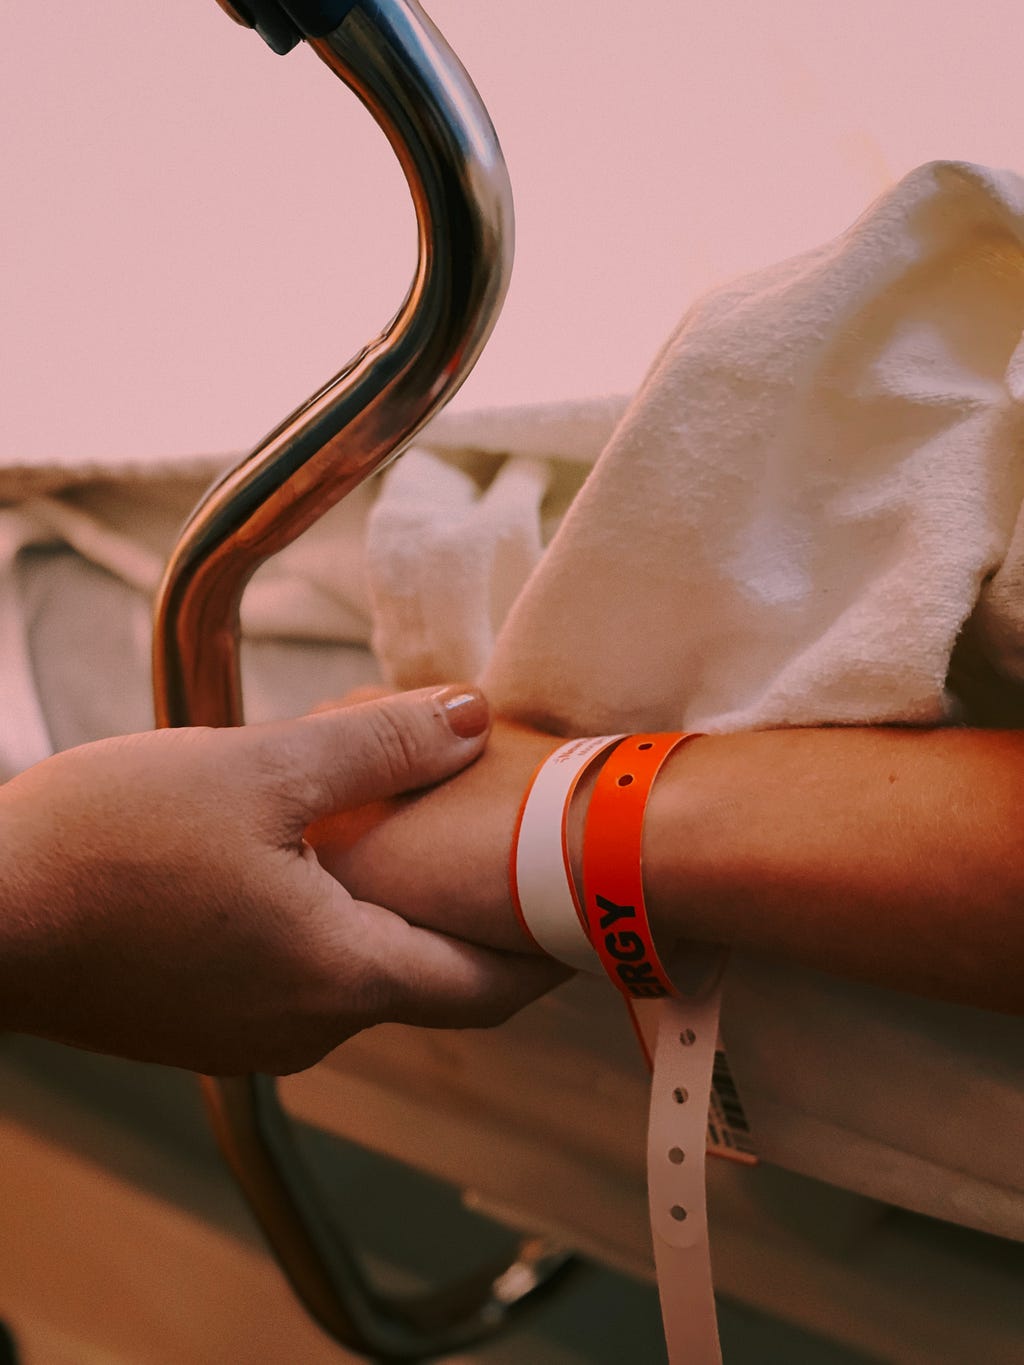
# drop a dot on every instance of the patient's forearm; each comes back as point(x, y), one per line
point(888, 855)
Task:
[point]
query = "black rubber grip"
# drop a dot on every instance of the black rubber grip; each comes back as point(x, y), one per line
point(314, 18)
point(283, 23)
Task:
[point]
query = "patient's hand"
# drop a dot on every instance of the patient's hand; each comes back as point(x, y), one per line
point(440, 858)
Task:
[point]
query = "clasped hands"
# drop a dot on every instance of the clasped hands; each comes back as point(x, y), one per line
point(161, 898)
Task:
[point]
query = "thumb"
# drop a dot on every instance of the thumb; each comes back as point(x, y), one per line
point(354, 755)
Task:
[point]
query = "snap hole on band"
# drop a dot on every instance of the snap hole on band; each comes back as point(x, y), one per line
point(680, 1095)
point(676, 1155)
point(625, 779)
point(677, 1212)
point(646, 745)
point(687, 1037)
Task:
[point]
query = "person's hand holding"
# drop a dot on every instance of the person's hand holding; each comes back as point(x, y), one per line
point(158, 899)
point(440, 857)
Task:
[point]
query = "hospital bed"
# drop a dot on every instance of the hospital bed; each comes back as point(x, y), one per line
point(539, 1123)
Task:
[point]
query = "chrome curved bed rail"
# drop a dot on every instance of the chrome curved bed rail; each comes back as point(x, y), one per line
point(390, 54)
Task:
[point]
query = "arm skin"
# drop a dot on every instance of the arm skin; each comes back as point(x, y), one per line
point(885, 855)
point(891, 856)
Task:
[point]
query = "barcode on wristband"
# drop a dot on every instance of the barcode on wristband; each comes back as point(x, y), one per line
point(728, 1129)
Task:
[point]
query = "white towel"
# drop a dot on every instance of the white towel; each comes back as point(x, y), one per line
point(810, 514)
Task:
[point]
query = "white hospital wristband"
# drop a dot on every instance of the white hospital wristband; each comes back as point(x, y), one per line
point(541, 878)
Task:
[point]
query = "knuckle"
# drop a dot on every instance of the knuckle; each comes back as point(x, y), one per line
point(280, 780)
point(396, 745)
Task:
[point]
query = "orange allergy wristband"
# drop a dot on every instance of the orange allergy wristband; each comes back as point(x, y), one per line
point(613, 892)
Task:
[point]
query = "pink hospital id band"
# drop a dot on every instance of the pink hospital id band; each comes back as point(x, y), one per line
point(676, 1193)
point(540, 878)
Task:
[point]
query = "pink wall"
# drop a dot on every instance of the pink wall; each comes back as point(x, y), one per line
point(172, 283)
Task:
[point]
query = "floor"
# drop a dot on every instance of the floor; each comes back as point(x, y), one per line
point(125, 1245)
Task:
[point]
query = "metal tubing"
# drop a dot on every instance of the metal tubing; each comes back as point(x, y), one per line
point(390, 54)
point(394, 59)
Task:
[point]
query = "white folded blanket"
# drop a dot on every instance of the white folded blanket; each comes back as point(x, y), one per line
point(810, 514)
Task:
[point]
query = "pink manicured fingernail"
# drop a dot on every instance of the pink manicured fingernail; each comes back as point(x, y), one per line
point(466, 710)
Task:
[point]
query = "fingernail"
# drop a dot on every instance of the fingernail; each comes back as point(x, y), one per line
point(465, 710)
